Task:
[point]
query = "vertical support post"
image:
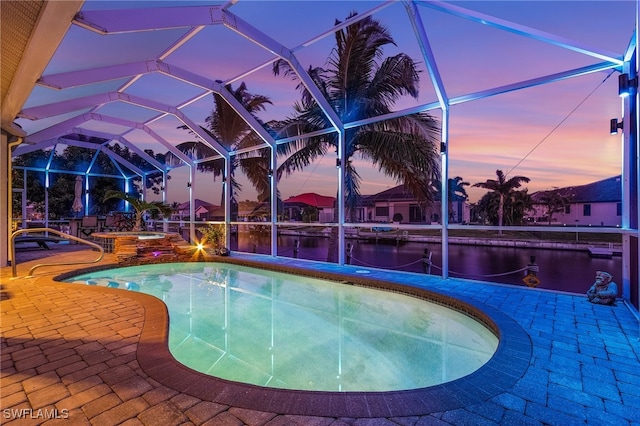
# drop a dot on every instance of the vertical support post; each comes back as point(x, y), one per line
point(634, 140)
point(7, 143)
point(23, 200)
point(192, 203)
point(143, 190)
point(226, 186)
point(341, 206)
point(444, 207)
point(273, 180)
point(631, 184)
point(86, 194)
point(47, 183)
point(46, 200)
point(127, 187)
point(165, 182)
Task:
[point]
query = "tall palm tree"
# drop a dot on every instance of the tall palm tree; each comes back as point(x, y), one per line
point(503, 188)
point(455, 188)
point(140, 206)
point(359, 84)
point(231, 131)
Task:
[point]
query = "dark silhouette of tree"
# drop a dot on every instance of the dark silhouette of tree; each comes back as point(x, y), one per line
point(516, 207)
point(503, 188)
point(455, 189)
point(230, 130)
point(359, 84)
point(554, 201)
point(140, 206)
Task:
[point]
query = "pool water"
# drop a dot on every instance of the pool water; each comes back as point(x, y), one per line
point(287, 331)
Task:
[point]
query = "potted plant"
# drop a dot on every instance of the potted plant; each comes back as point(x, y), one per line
point(213, 235)
point(140, 206)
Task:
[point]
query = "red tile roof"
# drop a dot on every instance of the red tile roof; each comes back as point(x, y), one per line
point(312, 199)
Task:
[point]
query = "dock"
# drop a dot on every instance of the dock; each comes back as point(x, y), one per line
point(600, 252)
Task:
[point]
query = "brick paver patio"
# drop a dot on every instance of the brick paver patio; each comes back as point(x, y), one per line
point(70, 356)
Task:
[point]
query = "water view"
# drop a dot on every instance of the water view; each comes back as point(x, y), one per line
point(564, 270)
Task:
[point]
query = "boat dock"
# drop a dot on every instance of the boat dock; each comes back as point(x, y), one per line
point(603, 252)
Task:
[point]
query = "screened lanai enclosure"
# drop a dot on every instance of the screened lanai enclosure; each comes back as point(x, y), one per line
point(480, 140)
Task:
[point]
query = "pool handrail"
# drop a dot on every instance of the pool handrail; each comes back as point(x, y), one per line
point(12, 250)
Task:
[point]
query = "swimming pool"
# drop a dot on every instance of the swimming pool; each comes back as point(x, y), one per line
point(285, 331)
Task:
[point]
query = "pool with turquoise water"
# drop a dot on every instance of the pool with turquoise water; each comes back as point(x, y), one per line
point(287, 331)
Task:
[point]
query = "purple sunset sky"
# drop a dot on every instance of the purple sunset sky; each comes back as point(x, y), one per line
point(485, 135)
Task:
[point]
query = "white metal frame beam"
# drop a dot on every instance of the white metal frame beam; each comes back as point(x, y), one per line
point(76, 104)
point(126, 142)
point(45, 136)
point(522, 30)
point(101, 148)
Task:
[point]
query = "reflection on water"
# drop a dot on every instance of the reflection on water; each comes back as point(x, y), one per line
point(286, 331)
point(564, 270)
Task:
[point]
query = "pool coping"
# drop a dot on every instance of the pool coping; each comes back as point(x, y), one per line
point(508, 364)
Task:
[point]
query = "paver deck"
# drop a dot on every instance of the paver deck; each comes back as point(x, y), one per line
point(70, 355)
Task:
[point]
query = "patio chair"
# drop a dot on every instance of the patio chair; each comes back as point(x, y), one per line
point(109, 224)
point(88, 226)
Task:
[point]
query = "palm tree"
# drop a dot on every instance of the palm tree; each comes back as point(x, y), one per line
point(554, 201)
point(516, 206)
point(140, 206)
point(503, 188)
point(455, 188)
point(231, 131)
point(358, 85)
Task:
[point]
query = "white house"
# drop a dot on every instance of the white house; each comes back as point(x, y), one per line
point(594, 204)
point(396, 201)
point(202, 210)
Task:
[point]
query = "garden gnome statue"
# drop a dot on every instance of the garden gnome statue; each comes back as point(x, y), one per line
point(603, 291)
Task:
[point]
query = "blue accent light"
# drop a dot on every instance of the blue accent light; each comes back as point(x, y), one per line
point(626, 86)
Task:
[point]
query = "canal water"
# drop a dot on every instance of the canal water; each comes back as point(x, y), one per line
point(563, 270)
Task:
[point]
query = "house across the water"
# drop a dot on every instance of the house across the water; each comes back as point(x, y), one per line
point(594, 204)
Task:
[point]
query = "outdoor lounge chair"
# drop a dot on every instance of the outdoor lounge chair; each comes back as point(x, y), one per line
point(41, 240)
point(109, 224)
point(88, 226)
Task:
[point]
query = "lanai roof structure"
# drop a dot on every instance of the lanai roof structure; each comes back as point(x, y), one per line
point(91, 74)
point(76, 72)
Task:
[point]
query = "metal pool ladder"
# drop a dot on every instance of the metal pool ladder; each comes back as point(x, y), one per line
point(12, 250)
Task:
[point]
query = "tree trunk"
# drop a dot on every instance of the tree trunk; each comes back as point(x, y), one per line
point(138, 226)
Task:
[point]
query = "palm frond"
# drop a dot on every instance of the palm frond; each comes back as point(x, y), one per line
point(359, 84)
